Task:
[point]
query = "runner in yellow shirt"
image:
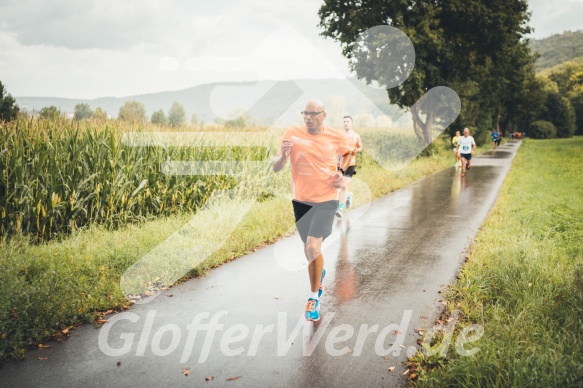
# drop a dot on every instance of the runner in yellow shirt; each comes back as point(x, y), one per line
point(454, 143)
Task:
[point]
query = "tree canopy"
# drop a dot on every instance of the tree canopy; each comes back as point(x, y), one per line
point(83, 111)
point(159, 118)
point(50, 112)
point(478, 49)
point(133, 111)
point(176, 115)
point(8, 108)
point(568, 78)
point(100, 114)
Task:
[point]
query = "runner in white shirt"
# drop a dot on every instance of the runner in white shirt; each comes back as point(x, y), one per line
point(466, 147)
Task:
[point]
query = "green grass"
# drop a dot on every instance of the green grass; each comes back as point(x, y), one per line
point(54, 285)
point(523, 281)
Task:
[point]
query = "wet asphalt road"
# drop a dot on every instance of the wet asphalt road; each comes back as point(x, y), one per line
point(386, 265)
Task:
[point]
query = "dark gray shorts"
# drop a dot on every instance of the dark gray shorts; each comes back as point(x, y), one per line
point(314, 219)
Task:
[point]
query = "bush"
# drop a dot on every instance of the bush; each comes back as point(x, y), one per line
point(542, 130)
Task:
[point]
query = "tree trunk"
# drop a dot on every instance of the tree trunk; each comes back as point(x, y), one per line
point(422, 129)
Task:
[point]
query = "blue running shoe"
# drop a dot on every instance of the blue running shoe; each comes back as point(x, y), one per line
point(321, 289)
point(313, 310)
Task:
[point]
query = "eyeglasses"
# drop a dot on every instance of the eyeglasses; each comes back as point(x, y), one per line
point(311, 114)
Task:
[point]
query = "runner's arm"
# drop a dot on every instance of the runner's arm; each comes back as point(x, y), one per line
point(280, 160)
point(358, 145)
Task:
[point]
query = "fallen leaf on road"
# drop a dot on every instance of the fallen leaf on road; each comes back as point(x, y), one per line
point(386, 358)
point(186, 371)
point(423, 317)
point(42, 358)
point(233, 378)
point(407, 371)
point(403, 346)
point(41, 346)
point(392, 369)
point(413, 375)
point(209, 378)
point(65, 331)
point(101, 321)
point(395, 332)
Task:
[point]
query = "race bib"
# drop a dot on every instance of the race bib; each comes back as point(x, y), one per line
point(465, 148)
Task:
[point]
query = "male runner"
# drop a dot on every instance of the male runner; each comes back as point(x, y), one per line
point(313, 151)
point(495, 139)
point(455, 142)
point(466, 147)
point(348, 164)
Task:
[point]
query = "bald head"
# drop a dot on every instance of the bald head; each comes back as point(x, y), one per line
point(314, 115)
point(315, 105)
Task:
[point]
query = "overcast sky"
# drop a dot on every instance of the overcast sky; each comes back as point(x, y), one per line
point(97, 48)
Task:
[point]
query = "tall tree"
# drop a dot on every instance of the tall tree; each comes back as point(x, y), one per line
point(50, 112)
point(8, 108)
point(176, 115)
point(159, 118)
point(459, 44)
point(561, 113)
point(100, 115)
point(133, 111)
point(83, 111)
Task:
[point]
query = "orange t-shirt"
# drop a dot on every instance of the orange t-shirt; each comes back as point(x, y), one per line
point(351, 142)
point(313, 162)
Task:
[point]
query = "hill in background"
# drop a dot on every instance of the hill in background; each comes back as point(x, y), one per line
point(269, 102)
point(557, 49)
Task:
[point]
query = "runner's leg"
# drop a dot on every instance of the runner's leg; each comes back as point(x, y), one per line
point(313, 249)
point(344, 190)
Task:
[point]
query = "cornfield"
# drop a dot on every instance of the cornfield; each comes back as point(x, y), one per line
point(60, 175)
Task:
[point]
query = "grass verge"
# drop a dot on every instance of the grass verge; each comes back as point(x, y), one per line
point(523, 281)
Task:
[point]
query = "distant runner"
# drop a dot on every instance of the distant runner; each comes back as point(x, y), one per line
point(348, 164)
point(466, 147)
point(313, 152)
point(495, 139)
point(454, 143)
point(510, 136)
